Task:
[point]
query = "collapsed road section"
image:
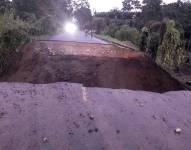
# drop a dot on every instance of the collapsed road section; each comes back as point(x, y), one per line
point(93, 65)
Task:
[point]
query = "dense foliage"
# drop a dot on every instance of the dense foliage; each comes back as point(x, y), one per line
point(123, 33)
point(171, 53)
point(165, 44)
point(22, 19)
point(129, 5)
point(13, 34)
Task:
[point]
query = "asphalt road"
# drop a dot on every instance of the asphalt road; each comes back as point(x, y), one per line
point(64, 116)
point(77, 37)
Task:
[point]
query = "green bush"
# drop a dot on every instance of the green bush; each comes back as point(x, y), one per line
point(153, 43)
point(98, 25)
point(126, 33)
point(43, 26)
point(13, 34)
point(12, 39)
point(111, 30)
point(123, 33)
point(143, 39)
point(171, 53)
point(162, 41)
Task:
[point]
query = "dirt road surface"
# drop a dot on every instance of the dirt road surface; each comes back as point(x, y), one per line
point(93, 65)
point(63, 116)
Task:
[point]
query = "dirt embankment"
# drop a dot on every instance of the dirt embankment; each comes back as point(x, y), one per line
point(93, 65)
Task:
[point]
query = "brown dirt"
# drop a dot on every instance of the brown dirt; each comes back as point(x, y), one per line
point(93, 65)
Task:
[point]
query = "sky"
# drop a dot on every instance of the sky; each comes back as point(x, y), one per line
point(106, 5)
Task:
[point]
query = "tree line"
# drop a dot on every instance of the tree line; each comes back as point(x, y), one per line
point(161, 30)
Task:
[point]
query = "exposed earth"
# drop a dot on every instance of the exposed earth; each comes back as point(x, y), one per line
point(93, 65)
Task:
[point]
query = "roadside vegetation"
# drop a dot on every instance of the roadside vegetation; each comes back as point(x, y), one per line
point(13, 34)
point(25, 20)
point(110, 39)
point(162, 31)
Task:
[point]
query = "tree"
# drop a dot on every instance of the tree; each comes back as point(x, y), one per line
point(82, 13)
point(23, 8)
point(181, 12)
point(163, 42)
point(81, 4)
point(5, 5)
point(98, 25)
point(48, 15)
point(152, 9)
point(129, 5)
point(13, 34)
point(171, 53)
point(43, 8)
point(136, 4)
point(83, 16)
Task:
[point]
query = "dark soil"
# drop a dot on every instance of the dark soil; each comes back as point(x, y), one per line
point(93, 65)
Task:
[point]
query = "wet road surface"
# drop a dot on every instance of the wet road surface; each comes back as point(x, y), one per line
point(77, 37)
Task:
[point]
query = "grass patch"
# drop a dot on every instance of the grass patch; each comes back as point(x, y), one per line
point(108, 38)
point(116, 41)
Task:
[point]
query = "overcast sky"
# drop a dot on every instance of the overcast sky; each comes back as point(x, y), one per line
point(106, 5)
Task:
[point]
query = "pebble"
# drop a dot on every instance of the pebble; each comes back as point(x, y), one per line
point(178, 130)
point(45, 140)
point(91, 118)
point(141, 104)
